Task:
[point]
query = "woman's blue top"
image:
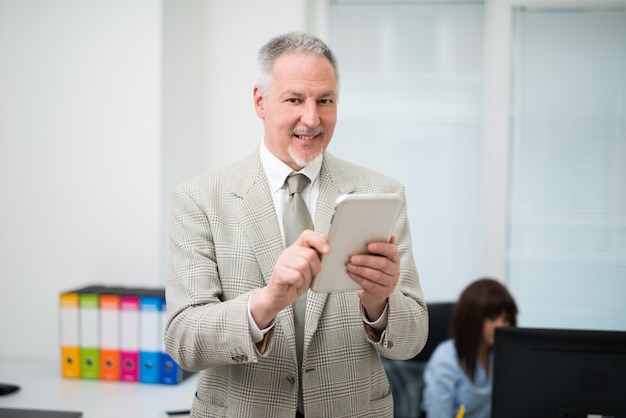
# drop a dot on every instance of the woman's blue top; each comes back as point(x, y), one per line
point(447, 386)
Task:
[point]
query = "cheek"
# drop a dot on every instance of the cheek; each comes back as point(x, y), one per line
point(489, 332)
point(330, 120)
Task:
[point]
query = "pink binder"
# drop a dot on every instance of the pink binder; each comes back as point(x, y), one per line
point(129, 338)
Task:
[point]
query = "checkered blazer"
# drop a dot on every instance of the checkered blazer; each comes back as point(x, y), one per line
point(224, 241)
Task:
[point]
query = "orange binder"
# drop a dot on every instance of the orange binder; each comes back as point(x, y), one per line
point(109, 337)
point(70, 346)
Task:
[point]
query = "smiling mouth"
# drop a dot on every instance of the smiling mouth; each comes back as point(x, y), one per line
point(307, 135)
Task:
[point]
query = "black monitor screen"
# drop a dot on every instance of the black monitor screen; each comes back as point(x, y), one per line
point(557, 373)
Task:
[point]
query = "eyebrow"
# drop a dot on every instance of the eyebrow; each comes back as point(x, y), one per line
point(299, 94)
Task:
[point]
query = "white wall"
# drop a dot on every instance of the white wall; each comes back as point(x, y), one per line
point(209, 62)
point(232, 47)
point(79, 157)
point(98, 121)
point(106, 105)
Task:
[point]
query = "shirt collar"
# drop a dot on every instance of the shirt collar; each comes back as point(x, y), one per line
point(277, 171)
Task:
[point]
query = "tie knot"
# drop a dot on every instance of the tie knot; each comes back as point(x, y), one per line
point(297, 183)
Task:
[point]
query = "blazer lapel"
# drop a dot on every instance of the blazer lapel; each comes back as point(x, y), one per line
point(260, 224)
point(332, 184)
point(258, 216)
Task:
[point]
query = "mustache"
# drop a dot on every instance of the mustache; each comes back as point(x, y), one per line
point(313, 131)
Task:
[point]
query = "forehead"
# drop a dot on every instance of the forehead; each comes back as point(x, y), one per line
point(299, 70)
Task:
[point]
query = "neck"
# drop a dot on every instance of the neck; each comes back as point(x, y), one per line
point(483, 356)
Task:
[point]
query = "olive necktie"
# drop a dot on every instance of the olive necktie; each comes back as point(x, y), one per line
point(295, 220)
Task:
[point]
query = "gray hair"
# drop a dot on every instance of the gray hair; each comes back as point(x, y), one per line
point(299, 42)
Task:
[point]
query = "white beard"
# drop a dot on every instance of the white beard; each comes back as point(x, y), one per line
point(303, 162)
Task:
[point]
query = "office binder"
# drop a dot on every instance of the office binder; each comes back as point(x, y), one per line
point(109, 336)
point(171, 372)
point(69, 325)
point(149, 326)
point(89, 334)
point(129, 337)
point(116, 333)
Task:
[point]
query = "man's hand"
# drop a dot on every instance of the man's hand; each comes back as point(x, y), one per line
point(377, 273)
point(295, 268)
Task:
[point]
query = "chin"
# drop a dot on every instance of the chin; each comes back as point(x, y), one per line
point(303, 159)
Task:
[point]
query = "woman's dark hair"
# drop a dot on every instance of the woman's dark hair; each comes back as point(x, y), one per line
point(482, 299)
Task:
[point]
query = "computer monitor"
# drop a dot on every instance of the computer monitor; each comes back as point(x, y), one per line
point(558, 373)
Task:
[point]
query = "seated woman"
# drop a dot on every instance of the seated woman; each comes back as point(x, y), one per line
point(458, 372)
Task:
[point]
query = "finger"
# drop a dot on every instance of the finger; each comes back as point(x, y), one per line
point(370, 289)
point(374, 262)
point(385, 249)
point(305, 262)
point(313, 240)
point(372, 286)
point(375, 269)
point(378, 276)
point(307, 255)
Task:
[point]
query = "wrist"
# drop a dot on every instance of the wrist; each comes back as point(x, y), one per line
point(261, 315)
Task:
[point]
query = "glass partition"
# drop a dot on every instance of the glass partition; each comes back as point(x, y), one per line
point(567, 208)
point(411, 107)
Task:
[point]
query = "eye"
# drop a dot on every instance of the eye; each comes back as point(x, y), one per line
point(293, 100)
point(326, 101)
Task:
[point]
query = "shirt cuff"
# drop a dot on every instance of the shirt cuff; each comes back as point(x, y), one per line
point(255, 332)
point(381, 323)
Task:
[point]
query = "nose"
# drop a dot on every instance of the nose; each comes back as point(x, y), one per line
point(502, 322)
point(310, 116)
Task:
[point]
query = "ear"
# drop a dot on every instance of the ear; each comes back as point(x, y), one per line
point(259, 104)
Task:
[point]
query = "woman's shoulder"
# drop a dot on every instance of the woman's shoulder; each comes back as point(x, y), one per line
point(446, 346)
point(445, 352)
point(443, 364)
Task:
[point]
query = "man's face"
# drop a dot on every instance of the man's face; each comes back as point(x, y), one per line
point(300, 109)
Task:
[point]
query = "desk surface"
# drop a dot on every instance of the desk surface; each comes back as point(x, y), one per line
point(42, 387)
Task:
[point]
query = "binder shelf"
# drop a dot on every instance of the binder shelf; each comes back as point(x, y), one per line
point(116, 334)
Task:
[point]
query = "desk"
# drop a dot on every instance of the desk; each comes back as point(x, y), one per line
point(42, 387)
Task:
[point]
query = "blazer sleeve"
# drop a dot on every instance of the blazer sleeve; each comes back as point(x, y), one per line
point(202, 329)
point(407, 326)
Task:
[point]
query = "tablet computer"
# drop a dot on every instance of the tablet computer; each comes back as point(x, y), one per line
point(358, 220)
